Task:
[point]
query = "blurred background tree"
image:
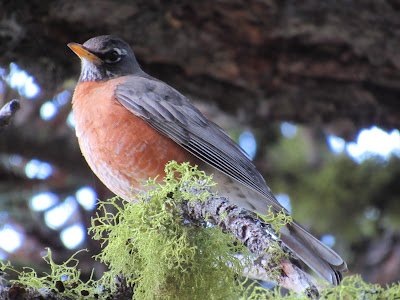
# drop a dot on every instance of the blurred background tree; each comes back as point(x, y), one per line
point(310, 89)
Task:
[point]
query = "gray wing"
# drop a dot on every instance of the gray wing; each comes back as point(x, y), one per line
point(170, 113)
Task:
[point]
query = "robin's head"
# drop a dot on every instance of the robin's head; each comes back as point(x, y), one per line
point(105, 57)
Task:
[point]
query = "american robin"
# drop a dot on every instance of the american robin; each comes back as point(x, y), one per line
point(129, 125)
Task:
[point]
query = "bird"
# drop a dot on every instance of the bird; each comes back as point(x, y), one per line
point(130, 124)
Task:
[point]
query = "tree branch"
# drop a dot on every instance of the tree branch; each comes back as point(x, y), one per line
point(270, 263)
point(20, 291)
point(7, 112)
point(257, 237)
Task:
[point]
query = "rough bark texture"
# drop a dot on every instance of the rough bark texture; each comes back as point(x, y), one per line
point(331, 63)
point(256, 236)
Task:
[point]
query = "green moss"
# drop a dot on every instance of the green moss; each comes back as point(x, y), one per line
point(276, 220)
point(64, 278)
point(162, 256)
point(352, 287)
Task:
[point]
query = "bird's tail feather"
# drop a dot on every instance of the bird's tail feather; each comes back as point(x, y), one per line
point(319, 257)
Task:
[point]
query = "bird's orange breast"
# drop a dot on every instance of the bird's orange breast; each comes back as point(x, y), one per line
point(121, 149)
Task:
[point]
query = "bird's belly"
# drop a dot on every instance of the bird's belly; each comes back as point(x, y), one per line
point(121, 149)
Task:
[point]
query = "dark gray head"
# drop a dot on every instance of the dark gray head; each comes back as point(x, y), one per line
point(105, 57)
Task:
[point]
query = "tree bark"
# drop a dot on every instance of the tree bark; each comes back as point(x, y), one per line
point(334, 63)
point(257, 236)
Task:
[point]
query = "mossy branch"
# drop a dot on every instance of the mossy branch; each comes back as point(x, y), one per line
point(182, 209)
point(193, 192)
point(271, 261)
point(164, 247)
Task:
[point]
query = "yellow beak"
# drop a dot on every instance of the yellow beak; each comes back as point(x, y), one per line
point(83, 53)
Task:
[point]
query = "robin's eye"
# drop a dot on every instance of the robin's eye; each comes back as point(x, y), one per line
point(113, 56)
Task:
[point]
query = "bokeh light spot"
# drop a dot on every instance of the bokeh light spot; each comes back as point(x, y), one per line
point(43, 201)
point(248, 143)
point(16, 160)
point(36, 169)
point(3, 255)
point(284, 200)
point(336, 144)
point(59, 215)
point(328, 239)
point(71, 120)
point(62, 98)
point(20, 80)
point(72, 236)
point(86, 197)
point(48, 110)
point(288, 130)
point(374, 142)
point(10, 238)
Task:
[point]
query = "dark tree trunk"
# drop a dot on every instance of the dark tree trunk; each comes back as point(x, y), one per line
point(331, 63)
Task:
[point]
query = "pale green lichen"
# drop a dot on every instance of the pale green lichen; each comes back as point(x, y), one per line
point(66, 275)
point(275, 252)
point(276, 220)
point(352, 287)
point(163, 257)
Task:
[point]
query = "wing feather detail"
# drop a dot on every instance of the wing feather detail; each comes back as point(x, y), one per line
point(172, 114)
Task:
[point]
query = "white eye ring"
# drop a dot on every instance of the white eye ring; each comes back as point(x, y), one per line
point(117, 55)
point(120, 51)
